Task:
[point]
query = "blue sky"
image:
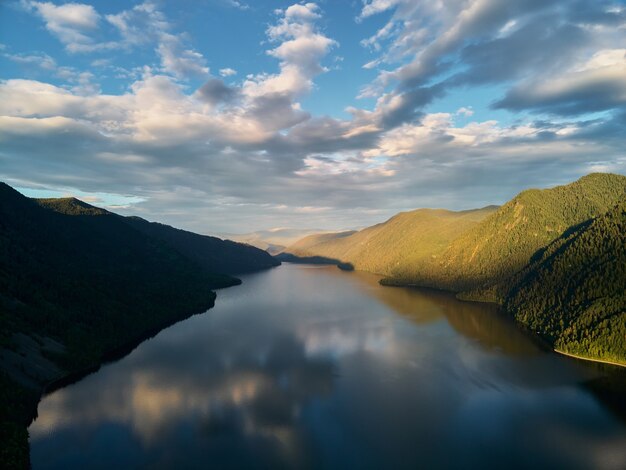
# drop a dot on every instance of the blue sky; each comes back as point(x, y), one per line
point(227, 116)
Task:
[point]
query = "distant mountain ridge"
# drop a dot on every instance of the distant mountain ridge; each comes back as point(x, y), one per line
point(275, 240)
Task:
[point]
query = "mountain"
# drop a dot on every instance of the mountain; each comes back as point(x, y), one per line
point(573, 292)
point(79, 283)
point(310, 242)
point(398, 247)
point(273, 241)
point(68, 272)
point(211, 253)
point(504, 242)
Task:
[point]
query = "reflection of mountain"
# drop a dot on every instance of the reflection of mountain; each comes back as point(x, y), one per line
point(485, 323)
point(480, 321)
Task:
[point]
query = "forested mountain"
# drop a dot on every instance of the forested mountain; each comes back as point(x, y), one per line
point(401, 246)
point(503, 243)
point(573, 292)
point(211, 253)
point(78, 282)
point(470, 251)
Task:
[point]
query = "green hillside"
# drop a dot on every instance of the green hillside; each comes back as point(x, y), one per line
point(399, 247)
point(573, 293)
point(503, 243)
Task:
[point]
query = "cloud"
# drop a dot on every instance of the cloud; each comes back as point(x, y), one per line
point(71, 23)
point(302, 12)
point(481, 42)
point(228, 72)
point(77, 27)
point(142, 24)
point(229, 155)
point(177, 60)
point(597, 84)
point(215, 91)
point(82, 82)
point(466, 112)
point(374, 7)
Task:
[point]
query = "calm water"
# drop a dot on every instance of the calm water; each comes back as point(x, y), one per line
point(306, 366)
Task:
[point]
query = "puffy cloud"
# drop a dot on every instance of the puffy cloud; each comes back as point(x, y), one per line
point(76, 26)
point(228, 72)
point(179, 61)
point(300, 50)
point(304, 12)
point(139, 25)
point(71, 23)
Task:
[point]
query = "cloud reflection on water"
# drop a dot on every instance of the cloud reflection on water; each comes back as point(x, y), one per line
point(309, 366)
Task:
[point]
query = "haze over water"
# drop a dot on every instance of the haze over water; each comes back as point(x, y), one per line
point(306, 366)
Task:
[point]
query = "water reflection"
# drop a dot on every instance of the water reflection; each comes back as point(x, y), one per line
point(312, 367)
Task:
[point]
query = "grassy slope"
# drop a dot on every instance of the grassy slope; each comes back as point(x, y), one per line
point(399, 246)
point(573, 292)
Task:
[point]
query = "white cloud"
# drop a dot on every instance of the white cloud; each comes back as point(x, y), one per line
point(374, 7)
point(71, 23)
point(595, 84)
point(465, 111)
point(228, 72)
point(304, 12)
point(142, 24)
point(177, 60)
point(300, 52)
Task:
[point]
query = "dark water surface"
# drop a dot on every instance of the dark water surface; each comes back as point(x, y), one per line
point(306, 366)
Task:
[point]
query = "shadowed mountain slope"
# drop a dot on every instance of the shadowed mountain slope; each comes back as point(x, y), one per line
point(573, 292)
point(211, 253)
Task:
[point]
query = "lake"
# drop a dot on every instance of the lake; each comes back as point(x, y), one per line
point(312, 367)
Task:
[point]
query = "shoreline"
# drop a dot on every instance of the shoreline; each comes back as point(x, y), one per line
point(588, 359)
point(114, 354)
point(30, 400)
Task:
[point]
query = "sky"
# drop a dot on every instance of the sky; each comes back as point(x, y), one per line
point(227, 116)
